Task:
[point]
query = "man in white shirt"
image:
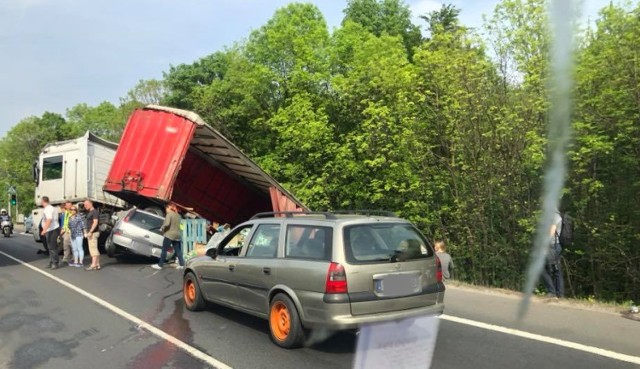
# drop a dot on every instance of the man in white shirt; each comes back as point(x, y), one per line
point(51, 231)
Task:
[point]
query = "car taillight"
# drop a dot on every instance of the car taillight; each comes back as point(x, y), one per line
point(126, 219)
point(438, 270)
point(336, 279)
point(118, 232)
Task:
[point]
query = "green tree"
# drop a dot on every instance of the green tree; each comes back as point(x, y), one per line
point(21, 147)
point(443, 20)
point(391, 17)
point(284, 58)
point(145, 92)
point(181, 81)
point(104, 120)
point(605, 183)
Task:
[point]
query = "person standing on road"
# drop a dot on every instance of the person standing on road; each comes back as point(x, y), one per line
point(92, 233)
point(552, 273)
point(171, 231)
point(51, 231)
point(446, 262)
point(65, 234)
point(76, 234)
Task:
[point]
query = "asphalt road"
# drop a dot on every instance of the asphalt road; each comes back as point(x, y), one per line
point(45, 324)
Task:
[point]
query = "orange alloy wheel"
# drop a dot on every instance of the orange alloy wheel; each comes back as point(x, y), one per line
point(280, 320)
point(190, 292)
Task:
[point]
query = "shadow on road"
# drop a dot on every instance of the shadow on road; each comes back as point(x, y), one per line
point(106, 261)
point(318, 339)
point(5, 262)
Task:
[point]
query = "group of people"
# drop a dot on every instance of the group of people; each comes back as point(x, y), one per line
point(67, 227)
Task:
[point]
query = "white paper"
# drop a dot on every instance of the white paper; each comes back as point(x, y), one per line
point(405, 344)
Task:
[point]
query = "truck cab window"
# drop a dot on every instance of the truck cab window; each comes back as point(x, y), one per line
point(52, 168)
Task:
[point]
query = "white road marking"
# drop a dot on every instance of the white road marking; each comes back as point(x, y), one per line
point(545, 339)
point(139, 322)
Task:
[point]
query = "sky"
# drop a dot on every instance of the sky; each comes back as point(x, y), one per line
point(55, 54)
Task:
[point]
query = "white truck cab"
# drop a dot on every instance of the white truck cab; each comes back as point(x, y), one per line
point(74, 170)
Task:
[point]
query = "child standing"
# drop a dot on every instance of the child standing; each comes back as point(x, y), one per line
point(76, 227)
point(445, 260)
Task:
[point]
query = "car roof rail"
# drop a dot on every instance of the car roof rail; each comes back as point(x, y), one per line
point(291, 214)
point(366, 212)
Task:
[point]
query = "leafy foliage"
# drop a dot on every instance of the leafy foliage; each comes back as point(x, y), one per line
point(449, 130)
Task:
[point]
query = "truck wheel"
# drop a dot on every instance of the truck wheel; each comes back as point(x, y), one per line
point(284, 322)
point(192, 293)
point(154, 210)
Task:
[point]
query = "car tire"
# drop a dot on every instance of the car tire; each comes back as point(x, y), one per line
point(284, 322)
point(110, 247)
point(191, 293)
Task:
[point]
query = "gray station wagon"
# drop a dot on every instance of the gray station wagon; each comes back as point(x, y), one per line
point(303, 270)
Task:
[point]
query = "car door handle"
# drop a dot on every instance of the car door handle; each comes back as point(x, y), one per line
point(146, 236)
point(266, 270)
point(232, 267)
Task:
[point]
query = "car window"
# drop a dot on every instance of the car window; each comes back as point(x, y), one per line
point(380, 242)
point(146, 221)
point(264, 242)
point(233, 243)
point(308, 242)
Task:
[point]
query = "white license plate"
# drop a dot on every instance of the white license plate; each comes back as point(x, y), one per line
point(390, 285)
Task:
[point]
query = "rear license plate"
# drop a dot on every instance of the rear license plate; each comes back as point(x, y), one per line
point(391, 285)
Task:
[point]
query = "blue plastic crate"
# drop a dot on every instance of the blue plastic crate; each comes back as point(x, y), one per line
point(193, 231)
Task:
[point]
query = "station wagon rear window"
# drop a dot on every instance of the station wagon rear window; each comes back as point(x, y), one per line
point(308, 242)
point(384, 242)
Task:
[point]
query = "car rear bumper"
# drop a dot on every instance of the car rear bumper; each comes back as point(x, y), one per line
point(139, 248)
point(351, 321)
point(338, 316)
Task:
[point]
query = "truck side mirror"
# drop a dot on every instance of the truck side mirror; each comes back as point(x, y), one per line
point(36, 173)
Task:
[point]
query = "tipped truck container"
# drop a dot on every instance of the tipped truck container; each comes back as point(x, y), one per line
point(172, 155)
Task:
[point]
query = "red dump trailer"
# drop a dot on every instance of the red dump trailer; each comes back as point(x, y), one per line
point(168, 154)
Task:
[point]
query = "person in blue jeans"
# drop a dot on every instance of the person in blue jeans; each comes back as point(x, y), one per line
point(552, 273)
point(76, 229)
point(171, 232)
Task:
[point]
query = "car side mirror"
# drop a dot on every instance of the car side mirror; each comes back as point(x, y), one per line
point(212, 252)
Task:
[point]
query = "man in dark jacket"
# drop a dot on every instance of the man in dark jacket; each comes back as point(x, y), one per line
point(171, 232)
